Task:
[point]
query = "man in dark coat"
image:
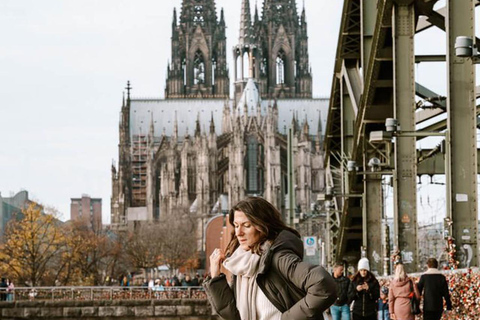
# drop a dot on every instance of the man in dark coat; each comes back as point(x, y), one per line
point(434, 288)
point(340, 310)
point(3, 290)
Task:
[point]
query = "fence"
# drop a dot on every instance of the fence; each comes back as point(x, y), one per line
point(104, 293)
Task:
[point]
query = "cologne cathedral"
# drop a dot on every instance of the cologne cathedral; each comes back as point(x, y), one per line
point(201, 145)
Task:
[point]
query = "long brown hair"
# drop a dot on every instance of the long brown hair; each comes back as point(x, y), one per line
point(263, 216)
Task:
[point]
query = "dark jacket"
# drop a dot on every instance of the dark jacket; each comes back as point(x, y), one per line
point(366, 301)
point(344, 290)
point(297, 289)
point(435, 288)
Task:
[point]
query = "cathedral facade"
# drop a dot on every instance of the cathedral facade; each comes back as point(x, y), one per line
point(200, 145)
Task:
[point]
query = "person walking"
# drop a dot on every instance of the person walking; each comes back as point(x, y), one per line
point(434, 287)
point(402, 289)
point(340, 310)
point(366, 293)
point(270, 281)
point(383, 313)
point(3, 289)
point(10, 290)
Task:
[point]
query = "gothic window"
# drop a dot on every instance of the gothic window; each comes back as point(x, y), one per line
point(192, 182)
point(264, 66)
point(254, 68)
point(239, 67)
point(198, 68)
point(177, 177)
point(252, 174)
point(246, 65)
point(214, 69)
point(184, 69)
point(254, 165)
point(281, 67)
point(198, 17)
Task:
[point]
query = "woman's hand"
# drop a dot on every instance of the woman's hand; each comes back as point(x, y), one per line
point(360, 287)
point(216, 259)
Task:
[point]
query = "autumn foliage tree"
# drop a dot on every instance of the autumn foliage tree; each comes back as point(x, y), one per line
point(31, 246)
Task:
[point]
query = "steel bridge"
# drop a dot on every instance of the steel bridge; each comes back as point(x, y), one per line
point(377, 114)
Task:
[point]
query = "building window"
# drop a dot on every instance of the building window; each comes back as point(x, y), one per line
point(184, 70)
point(281, 67)
point(192, 182)
point(254, 165)
point(198, 18)
point(198, 68)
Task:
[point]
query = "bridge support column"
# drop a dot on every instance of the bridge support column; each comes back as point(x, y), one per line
point(373, 209)
point(405, 174)
point(461, 123)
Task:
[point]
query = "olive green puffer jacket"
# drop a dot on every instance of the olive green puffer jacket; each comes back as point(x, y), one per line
point(298, 289)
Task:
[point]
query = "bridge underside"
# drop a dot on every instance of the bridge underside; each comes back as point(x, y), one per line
point(374, 80)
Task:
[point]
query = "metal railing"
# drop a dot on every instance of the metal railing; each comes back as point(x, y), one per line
point(103, 293)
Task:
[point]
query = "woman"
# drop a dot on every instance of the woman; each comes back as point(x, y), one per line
point(10, 289)
point(269, 280)
point(366, 293)
point(402, 289)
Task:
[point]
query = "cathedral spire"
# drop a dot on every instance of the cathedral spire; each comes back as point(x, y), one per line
point(320, 130)
point(197, 126)
point(175, 127)
point(222, 18)
point(174, 21)
point(245, 36)
point(303, 18)
point(128, 91)
point(212, 125)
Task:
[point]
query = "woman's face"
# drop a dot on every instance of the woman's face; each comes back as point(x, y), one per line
point(363, 273)
point(245, 232)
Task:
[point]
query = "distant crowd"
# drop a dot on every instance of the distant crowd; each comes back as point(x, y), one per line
point(432, 296)
point(6, 290)
point(181, 280)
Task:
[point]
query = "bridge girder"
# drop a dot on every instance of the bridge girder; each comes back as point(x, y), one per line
point(374, 80)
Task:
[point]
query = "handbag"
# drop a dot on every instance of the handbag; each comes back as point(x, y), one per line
point(414, 302)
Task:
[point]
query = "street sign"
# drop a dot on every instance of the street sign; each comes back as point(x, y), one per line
point(310, 244)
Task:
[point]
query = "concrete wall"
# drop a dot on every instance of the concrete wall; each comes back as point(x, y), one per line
point(110, 309)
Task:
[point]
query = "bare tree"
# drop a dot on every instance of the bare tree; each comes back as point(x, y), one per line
point(144, 246)
point(179, 242)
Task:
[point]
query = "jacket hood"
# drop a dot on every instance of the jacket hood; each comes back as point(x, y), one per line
point(401, 283)
point(287, 240)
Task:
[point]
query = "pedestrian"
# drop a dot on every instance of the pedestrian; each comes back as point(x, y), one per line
point(187, 281)
point(383, 313)
point(195, 282)
point(402, 289)
point(433, 285)
point(340, 310)
point(366, 293)
point(10, 289)
point(270, 281)
point(3, 290)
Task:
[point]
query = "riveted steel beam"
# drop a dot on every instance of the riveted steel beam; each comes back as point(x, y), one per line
point(405, 175)
point(462, 126)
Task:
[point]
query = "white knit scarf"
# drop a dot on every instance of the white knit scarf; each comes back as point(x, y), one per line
point(244, 264)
